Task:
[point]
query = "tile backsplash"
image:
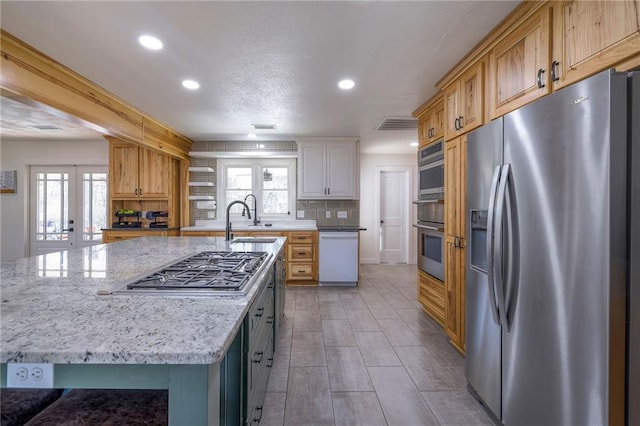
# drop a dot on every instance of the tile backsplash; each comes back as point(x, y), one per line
point(317, 209)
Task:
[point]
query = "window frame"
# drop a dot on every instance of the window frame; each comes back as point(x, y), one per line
point(256, 165)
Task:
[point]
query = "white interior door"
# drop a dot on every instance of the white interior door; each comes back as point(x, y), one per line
point(68, 207)
point(393, 217)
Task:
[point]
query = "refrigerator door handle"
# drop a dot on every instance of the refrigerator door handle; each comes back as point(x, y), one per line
point(490, 222)
point(513, 245)
point(498, 251)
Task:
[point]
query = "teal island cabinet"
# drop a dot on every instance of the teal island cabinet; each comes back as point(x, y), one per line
point(212, 353)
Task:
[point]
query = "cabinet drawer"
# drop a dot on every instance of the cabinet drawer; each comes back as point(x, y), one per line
point(300, 252)
point(431, 295)
point(301, 238)
point(299, 271)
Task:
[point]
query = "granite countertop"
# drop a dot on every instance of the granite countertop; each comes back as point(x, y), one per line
point(247, 225)
point(50, 310)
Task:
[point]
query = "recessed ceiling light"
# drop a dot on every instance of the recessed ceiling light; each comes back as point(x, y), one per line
point(191, 84)
point(413, 144)
point(150, 42)
point(252, 136)
point(346, 84)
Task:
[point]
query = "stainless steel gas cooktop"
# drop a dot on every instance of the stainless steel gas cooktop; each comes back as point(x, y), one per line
point(208, 272)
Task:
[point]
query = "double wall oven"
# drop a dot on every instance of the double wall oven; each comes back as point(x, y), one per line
point(430, 209)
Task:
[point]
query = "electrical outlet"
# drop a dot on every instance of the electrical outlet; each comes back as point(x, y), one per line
point(21, 375)
point(300, 214)
point(342, 215)
point(328, 214)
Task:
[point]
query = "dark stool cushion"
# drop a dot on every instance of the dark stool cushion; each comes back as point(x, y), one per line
point(107, 407)
point(19, 405)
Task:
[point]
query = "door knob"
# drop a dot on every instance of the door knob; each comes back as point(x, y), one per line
point(382, 221)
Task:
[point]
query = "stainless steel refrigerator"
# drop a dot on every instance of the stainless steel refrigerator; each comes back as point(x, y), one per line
point(548, 257)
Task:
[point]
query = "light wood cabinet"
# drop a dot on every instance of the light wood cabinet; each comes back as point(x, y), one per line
point(455, 158)
point(110, 236)
point(431, 294)
point(431, 123)
point(464, 102)
point(591, 36)
point(328, 169)
point(302, 265)
point(141, 179)
point(519, 65)
point(137, 172)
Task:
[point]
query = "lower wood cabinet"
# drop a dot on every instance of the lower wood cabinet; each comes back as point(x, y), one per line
point(431, 294)
point(302, 258)
point(110, 235)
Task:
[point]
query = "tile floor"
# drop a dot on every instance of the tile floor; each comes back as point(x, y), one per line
point(366, 356)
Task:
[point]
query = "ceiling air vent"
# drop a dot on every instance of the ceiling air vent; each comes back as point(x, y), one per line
point(264, 126)
point(45, 127)
point(398, 123)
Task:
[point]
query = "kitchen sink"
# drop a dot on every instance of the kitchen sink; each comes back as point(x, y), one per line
point(256, 240)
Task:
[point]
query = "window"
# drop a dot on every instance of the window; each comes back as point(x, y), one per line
point(272, 181)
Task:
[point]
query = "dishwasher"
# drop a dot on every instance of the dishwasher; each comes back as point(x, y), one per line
point(338, 258)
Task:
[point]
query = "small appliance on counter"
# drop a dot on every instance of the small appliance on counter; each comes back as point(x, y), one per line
point(154, 215)
point(126, 219)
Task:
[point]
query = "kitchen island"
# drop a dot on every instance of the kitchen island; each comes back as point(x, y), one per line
point(59, 309)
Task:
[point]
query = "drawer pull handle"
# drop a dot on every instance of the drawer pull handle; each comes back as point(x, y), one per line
point(259, 312)
point(269, 320)
point(301, 272)
point(257, 419)
point(258, 360)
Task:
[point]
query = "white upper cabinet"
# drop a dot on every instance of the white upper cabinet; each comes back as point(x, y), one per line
point(328, 168)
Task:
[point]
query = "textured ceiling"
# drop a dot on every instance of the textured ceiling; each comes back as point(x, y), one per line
point(263, 62)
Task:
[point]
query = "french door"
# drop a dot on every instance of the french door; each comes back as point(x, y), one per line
point(68, 207)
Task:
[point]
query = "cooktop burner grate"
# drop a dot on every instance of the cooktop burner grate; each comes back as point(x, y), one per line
point(210, 270)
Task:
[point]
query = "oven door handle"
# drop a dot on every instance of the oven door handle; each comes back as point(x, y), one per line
point(439, 201)
point(430, 228)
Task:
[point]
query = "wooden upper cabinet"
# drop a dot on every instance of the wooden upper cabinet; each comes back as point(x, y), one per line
point(123, 170)
point(464, 102)
point(519, 65)
point(591, 36)
point(136, 172)
point(437, 121)
point(431, 123)
point(153, 174)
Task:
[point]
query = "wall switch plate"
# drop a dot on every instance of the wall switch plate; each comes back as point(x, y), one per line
point(328, 214)
point(300, 214)
point(21, 375)
point(342, 215)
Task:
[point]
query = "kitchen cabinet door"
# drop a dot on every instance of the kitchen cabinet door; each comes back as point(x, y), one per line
point(519, 65)
point(123, 170)
point(431, 123)
point(455, 158)
point(591, 36)
point(437, 121)
point(340, 167)
point(153, 174)
point(464, 102)
point(311, 171)
point(431, 294)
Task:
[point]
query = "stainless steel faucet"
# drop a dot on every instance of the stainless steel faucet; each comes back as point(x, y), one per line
point(227, 232)
point(255, 209)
